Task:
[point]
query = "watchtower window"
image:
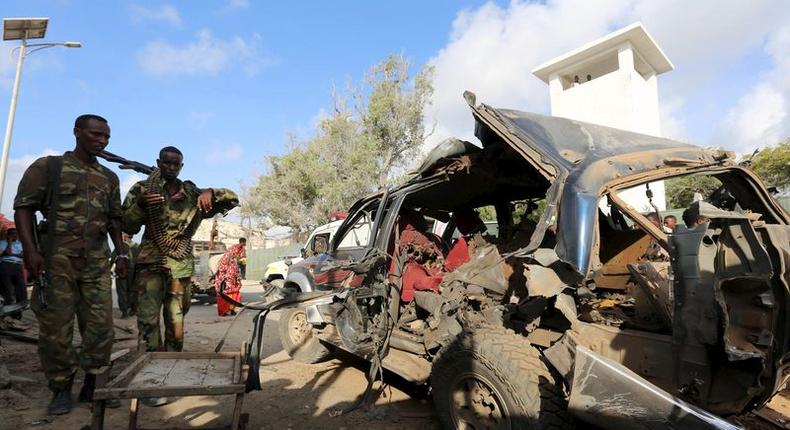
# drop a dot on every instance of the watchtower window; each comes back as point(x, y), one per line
point(590, 70)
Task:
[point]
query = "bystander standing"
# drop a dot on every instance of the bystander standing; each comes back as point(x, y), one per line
point(13, 284)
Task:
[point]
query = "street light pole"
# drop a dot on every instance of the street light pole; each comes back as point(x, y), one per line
point(22, 29)
point(9, 128)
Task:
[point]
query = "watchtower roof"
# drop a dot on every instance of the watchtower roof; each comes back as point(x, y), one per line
point(635, 33)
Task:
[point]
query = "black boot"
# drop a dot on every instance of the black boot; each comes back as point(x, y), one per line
point(60, 404)
point(86, 393)
point(61, 399)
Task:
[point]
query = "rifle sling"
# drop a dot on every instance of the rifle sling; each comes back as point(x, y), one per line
point(52, 203)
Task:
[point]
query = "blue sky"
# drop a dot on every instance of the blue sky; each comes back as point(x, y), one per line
point(227, 81)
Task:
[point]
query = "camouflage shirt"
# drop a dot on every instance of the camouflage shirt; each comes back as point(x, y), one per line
point(89, 198)
point(176, 216)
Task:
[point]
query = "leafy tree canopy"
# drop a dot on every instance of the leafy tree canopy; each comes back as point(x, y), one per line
point(354, 150)
point(680, 191)
point(772, 165)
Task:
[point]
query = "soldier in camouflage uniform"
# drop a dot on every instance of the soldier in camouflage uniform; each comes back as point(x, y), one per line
point(162, 281)
point(124, 286)
point(81, 209)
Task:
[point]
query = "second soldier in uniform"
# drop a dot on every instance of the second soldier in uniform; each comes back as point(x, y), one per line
point(171, 210)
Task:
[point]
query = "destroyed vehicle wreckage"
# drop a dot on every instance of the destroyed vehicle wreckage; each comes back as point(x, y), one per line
point(584, 310)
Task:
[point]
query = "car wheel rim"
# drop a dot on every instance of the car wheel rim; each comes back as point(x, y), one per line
point(475, 404)
point(298, 328)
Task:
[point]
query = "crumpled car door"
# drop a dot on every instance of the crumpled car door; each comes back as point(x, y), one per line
point(730, 310)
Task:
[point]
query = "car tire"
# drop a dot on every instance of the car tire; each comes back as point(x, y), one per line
point(279, 283)
point(493, 378)
point(297, 338)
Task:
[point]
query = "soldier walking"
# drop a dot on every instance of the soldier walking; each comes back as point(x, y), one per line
point(80, 200)
point(171, 211)
point(124, 286)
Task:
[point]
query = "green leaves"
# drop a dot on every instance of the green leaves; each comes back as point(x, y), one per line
point(680, 191)
point(772, 165)
point(352, 153)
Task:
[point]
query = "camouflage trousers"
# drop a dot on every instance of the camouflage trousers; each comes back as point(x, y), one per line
point(80, 286)
point(127, 295)
point(159, 293)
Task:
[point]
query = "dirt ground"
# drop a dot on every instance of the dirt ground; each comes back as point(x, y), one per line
point(294, 395)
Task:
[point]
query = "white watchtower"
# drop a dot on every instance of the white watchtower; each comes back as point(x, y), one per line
point(611, 81)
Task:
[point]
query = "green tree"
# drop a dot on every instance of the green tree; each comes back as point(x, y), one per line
point(772, 165)
point(352, 152)
point(391, 108)
point(680, 191)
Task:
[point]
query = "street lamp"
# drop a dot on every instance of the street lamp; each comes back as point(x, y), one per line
point(22, 29)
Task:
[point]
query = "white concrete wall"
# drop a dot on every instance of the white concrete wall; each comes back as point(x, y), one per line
point(607, 100)
point(623, 99)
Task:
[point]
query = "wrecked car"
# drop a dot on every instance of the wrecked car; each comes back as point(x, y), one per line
point(579, 308)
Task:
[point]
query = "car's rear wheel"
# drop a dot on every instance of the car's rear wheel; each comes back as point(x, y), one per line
point(494, 379)
point(297, 339)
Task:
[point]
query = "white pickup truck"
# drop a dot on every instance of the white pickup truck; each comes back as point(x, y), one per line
point(317, 243)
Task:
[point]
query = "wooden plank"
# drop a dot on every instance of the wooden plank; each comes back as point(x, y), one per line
point(237, 370)
point(237, 407)
point(97, 415)
point(153, 373)
point(226, 427)
point(192, 355)
point(130, 393)
point(19, 336)
point(118, 354)
point(128, 373)
point(220, 372)
point(103, 373)
point(133, 407)
point(186, 373)
point(180, 372)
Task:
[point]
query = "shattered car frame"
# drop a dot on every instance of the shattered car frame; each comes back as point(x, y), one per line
point(535, 325)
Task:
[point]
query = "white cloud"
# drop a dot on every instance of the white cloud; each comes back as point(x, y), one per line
point(224, 153)
point(165, 13)
point(705, 36)
point(669, 118)
point(238, 4)
point(492, 50)
point(16, 168)
point(761, 116)
point(757, 120)
point(207, 55)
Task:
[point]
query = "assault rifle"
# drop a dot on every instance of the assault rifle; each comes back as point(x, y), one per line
point(42, 279)
point(126, 164)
